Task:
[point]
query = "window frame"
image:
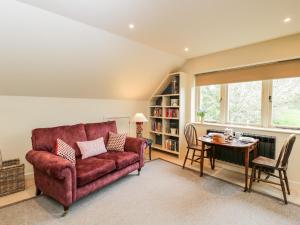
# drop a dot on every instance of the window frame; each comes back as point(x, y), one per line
point(266, 107)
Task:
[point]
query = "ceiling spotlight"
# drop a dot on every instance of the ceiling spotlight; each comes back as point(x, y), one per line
point(131, 26)
point(287, 20)
point(186, 49)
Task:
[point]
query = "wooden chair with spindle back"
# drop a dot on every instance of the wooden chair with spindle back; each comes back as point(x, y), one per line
point(191, 137)
point(263, 164)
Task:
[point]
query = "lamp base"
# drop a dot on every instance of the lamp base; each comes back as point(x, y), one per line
point(139, 129)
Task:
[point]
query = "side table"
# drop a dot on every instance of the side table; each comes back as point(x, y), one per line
point(149, 145)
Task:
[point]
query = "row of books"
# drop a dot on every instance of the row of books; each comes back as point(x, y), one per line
point(171, 145)
point(156, 126)
point(157, 112)
point(172, 113)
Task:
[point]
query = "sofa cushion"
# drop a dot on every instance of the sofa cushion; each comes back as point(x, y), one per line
point(45, 138)
point(90, 169)
point(122, 159)
point(65, 151)
point(97, 130)
point(91, 148)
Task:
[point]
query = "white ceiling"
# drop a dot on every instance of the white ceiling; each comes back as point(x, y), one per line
point(204, 26)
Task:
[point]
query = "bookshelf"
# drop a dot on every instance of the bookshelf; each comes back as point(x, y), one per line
point(166, 115)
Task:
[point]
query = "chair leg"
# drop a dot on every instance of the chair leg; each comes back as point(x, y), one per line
point(193, 156)
point(286, 182)
point(282, 187)
point(252, 178)
point(259, 174)
point(186, 156)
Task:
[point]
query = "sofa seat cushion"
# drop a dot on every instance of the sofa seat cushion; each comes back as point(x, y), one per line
point(122, 159)
point(90, 169)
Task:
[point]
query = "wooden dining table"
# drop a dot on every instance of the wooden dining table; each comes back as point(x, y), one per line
point(234, 144)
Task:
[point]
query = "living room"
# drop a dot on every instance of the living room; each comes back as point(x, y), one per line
point(184, 80)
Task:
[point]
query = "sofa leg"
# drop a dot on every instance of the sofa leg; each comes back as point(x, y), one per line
point(37, 192)
point(66, 209)
point(139, 171)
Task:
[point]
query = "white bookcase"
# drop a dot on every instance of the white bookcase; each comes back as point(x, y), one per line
point(166, 115)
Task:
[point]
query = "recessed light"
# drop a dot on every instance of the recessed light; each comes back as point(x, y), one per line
point(287, 20)
point(186, 49)
point(131, 26)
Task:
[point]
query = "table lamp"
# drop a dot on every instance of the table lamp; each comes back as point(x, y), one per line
point(139, 119)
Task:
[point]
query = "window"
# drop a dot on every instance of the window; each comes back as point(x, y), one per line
point(268, 103)
point(210, 102)
point(244, 102)
point(286, 102)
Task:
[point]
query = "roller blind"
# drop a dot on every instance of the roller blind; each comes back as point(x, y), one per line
point(282, 69)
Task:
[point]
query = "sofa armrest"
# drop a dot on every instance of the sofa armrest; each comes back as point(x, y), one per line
point(136, 145)
point(50, 164)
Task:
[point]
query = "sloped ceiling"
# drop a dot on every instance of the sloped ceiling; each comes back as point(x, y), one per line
point(205, 26)
point(45, 54)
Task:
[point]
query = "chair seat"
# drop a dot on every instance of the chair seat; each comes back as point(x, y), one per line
point(198, 147)
point(90, 169)
point(122, 159)
point(265, 162)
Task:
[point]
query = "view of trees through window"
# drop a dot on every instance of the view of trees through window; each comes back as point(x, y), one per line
point(210, 102)
point(244, 102)
point(286, 102)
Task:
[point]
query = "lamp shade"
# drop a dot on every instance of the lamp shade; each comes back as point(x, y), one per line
point(139, 118)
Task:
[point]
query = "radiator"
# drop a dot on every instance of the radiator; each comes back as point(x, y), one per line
point(266, 147)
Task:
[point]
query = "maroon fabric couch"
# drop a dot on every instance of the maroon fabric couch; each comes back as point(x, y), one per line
point(57, 178)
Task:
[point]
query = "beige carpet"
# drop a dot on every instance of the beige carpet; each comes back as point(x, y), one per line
point(163, 194)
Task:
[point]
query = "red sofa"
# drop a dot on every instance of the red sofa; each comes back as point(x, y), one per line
point(57, 178)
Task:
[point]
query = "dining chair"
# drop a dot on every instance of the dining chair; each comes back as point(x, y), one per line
point(265, 165)
point(191, 137)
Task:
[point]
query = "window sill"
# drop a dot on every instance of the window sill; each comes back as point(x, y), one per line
point(275, 130)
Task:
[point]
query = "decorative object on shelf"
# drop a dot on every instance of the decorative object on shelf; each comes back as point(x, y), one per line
point(174, 85)
point(201, 114)
point(173, 131)
point(139, 119)
point(12, 177)
point(174, 102)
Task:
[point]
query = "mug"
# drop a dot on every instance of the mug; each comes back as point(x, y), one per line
point(238, 134)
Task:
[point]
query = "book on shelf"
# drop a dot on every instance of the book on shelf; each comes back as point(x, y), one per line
point(170, 113)
point(171, 145)
point(157, 112)
point(156, 126)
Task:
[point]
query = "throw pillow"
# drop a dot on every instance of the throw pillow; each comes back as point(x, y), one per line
point(91, 148)
point(65, 151)
point(116, 142)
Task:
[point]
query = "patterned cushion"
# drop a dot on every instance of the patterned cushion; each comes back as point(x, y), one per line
point(91, 148)
point(65, 151)
point(116, 142)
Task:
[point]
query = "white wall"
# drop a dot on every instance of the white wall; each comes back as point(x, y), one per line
point(19, 115)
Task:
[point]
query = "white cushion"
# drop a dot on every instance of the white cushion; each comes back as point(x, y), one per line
point(91, 148)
